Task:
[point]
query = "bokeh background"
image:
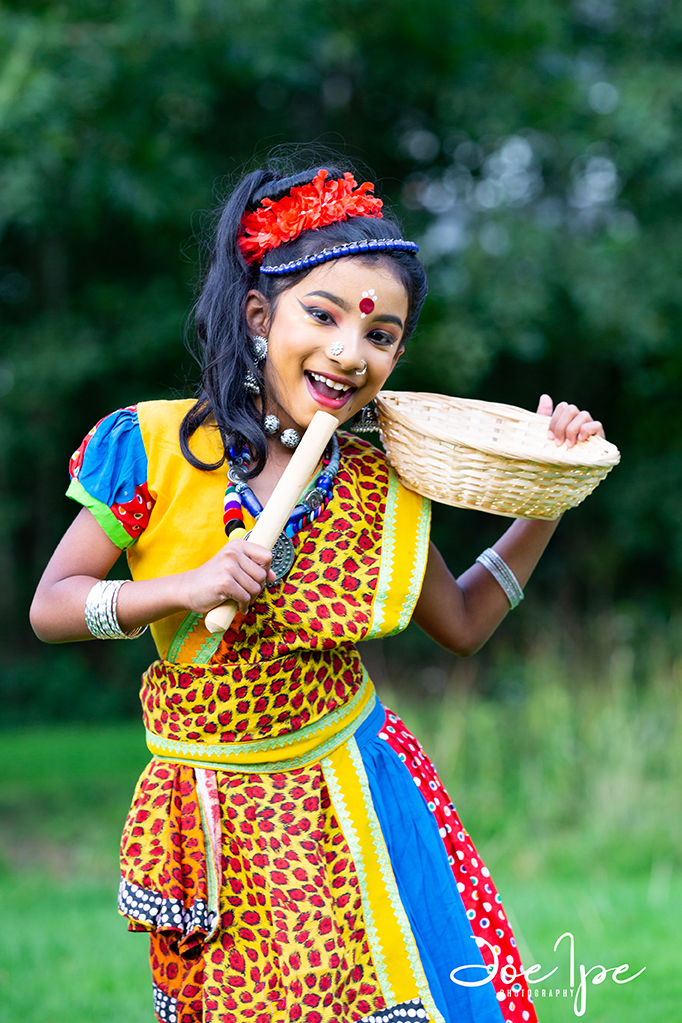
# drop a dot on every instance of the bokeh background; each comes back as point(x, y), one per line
point(534, 150)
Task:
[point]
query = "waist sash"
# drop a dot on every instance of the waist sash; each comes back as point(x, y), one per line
point(298, 748)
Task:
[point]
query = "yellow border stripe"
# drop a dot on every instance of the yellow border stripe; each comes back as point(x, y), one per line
point(394, 951)
point(420, 556)
point(404, 553)
point(355, 844)
point(388, 537)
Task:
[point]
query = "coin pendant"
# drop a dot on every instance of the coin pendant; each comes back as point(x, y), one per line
point(283, 556)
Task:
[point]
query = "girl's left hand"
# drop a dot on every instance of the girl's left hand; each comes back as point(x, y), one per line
point(568, 424)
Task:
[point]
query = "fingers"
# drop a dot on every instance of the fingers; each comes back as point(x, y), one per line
point(244, 587)
point(260, 555)
point(545, 405)
point(592, 429)
point(246, 570)
point(239, 571)
point(569, 425)
point(572, 425)
point(252, 559)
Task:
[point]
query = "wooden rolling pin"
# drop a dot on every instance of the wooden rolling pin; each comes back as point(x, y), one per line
point(283, 500)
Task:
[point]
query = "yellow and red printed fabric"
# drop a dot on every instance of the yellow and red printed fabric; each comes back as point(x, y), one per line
point(290, 848)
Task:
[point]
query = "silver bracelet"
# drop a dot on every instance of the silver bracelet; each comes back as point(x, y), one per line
point(100, 611)
point(503, 575)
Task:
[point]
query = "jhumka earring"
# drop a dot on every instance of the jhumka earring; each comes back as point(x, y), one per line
point(250, 383)
point(366, 420)
point(259, 350)
point(259, 347)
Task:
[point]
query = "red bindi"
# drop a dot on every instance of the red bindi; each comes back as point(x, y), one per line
point(366, 305)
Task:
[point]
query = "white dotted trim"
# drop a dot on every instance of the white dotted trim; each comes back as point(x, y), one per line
point(410, 1010)
point(149, 907)
point(165, 1007)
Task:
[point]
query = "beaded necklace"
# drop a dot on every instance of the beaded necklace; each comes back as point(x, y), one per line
point(238, 495)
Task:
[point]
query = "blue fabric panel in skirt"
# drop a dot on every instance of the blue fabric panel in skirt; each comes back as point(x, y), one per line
point(115, 461)
point(427, 887)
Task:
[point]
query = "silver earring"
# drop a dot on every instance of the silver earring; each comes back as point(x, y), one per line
point(271, 424)
point(250, 382)
point(336, 348)
point(259, 347)
point(366, 420)
point(361, 372)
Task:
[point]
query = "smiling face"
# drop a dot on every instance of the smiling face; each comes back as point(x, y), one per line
point(327, 349)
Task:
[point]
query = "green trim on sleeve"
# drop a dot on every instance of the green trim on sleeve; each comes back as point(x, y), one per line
point(106, 518)
point(181, 634)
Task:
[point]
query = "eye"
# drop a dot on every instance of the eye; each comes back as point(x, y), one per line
point(321, 315)
point(382, 338)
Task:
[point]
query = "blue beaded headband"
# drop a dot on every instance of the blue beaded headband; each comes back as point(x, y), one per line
point(349, 249)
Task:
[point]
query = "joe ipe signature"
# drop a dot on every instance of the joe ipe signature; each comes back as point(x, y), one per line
point(509, 974)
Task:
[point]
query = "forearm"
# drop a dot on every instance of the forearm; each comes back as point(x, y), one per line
point(461, 614)
point(521, 546)
point(85, 555)
point(58, 609)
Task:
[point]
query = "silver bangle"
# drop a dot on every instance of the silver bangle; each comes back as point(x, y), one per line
point(502, 573)
point(100, 611)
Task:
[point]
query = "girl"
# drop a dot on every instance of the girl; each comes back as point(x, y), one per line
point(290, 848)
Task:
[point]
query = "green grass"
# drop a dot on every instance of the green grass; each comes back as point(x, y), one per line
point(572, 792)
point(65, 954)
point(614, 920)
point(568, 772)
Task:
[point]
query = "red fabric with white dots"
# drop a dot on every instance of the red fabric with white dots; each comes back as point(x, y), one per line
point(479, 894)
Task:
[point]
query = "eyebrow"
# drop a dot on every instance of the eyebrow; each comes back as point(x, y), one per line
point(332, 298)
point(384, 317)
point(388, 318)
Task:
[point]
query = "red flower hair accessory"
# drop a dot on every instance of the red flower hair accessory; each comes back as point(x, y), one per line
point(320, 203)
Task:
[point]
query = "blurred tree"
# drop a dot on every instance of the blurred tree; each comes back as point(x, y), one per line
point(533, 150)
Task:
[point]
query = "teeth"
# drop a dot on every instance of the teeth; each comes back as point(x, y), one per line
point(330, 383)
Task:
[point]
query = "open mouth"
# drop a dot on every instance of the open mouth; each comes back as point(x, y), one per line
point(327, 391)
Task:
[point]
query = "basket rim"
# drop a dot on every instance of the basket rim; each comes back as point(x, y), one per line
point(607, 455)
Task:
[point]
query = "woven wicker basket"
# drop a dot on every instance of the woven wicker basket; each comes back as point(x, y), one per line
point(480, 454)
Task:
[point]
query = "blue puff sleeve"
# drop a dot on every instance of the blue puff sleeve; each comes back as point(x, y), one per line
point(109, 476)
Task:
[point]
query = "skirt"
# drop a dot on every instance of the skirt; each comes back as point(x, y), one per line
point(343, 891)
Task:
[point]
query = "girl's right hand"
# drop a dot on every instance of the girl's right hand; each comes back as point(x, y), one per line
point(239, 571)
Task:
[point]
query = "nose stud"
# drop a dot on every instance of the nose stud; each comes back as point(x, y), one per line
point(336, 348)
point(361, 372)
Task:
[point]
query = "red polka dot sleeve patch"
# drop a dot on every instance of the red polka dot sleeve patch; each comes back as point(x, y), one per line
point(109, 476)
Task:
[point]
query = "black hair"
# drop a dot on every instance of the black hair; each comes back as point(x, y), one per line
point(218, 316)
